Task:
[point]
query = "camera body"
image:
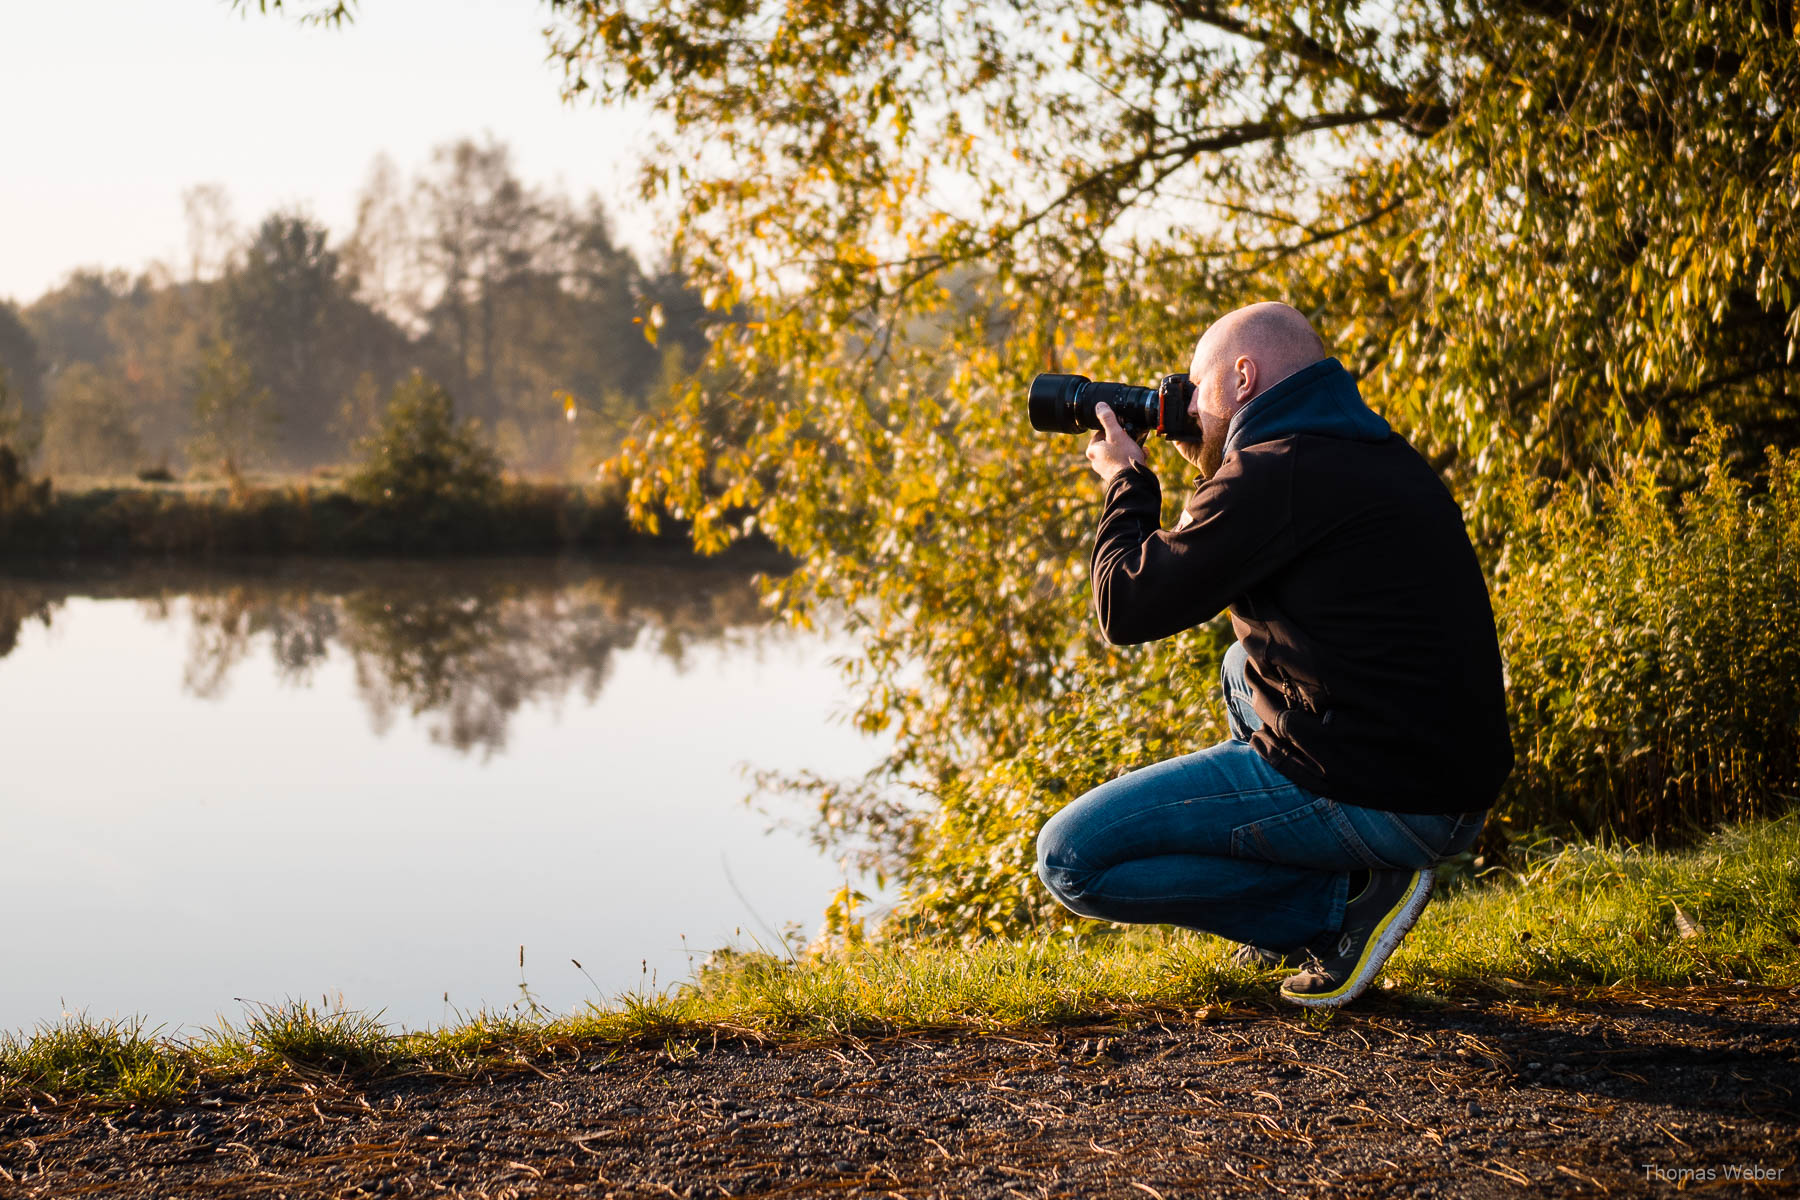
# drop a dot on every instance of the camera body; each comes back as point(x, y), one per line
point(1065, 404)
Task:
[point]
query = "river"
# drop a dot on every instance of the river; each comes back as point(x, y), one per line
point(372, 783)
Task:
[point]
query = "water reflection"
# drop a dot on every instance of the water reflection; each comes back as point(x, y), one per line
point(460, 647)
point(382, 779)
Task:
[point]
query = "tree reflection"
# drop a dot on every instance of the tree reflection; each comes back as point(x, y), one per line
point(17, 606)
point(467, 661)
point(460, 646)
point(226, 626)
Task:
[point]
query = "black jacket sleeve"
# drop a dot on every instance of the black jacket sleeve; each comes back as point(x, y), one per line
point(1150, 583)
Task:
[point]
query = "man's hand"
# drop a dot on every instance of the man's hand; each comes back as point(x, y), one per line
point(1111, 449)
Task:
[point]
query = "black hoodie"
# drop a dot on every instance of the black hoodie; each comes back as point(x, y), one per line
point(1372, 658)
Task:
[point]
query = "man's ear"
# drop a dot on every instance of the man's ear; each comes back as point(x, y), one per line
point(1245, 367)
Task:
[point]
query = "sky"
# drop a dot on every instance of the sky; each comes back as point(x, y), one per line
point(114, 107)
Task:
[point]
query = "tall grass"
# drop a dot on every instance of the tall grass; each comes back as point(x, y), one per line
point(1653, 648)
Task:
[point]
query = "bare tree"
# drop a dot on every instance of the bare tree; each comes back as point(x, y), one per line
point(213, 235)
point(484, 236)
point(381, 254)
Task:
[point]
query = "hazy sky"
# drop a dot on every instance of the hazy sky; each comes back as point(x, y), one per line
point(114, 107)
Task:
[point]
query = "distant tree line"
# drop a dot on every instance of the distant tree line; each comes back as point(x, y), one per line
point(280, 347)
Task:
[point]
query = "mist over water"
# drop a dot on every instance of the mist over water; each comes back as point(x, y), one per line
point(380, 780)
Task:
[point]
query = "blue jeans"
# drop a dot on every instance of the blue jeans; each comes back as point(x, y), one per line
point(1222, 842)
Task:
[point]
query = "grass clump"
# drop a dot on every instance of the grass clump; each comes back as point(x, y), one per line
point(113, 1060)
point(1567, 915)
point(296, 1032)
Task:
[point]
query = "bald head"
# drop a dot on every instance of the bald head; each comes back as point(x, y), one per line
point(1272, 335)
point(1240, 356)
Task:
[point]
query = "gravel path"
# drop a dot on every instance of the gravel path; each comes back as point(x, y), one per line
point(1639, 1095)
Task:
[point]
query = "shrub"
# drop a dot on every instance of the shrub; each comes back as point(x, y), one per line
point(18, 426)
point(1653, 648)
point(23, 501)
point(422, 466)
point(18, 491)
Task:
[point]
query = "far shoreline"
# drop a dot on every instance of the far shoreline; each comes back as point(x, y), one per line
point(59, 529)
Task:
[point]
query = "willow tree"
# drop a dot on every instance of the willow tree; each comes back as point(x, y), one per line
point(1544, 233)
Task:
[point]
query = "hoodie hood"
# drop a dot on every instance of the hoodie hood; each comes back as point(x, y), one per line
point(1321, 399)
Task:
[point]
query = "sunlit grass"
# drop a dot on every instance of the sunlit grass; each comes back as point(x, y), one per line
point(114, 1059)
point(1572, 916)
point(1589, 914)
point(326, 1038)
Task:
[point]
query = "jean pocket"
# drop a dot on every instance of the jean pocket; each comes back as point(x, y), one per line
point(1314, 835)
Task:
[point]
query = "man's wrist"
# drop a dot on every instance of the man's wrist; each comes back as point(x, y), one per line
point(1137, 465)
point(1132, 477)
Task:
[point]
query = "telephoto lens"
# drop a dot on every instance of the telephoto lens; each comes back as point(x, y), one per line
point(1065, 404)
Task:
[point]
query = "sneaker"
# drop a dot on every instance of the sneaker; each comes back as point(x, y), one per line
point(1374, 923)
point(1257, 959)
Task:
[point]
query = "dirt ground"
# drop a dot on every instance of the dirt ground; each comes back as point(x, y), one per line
point(1639, 1095)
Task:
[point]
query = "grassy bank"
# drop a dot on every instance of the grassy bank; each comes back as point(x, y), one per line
point(312, 518)
point(1568, 917)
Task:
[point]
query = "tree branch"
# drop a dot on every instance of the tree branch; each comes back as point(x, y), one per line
point(1596, 29)
point(1419, 115)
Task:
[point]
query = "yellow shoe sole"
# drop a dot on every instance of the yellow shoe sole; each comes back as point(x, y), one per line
point(1381, 944)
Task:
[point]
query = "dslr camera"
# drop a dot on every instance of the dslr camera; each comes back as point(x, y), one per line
point(1065, 404)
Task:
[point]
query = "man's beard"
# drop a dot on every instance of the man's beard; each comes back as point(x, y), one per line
point(1212, 452)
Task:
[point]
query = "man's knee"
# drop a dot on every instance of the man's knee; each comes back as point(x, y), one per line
point(1055, 846)
point(1059, 860)
point(1072, 888)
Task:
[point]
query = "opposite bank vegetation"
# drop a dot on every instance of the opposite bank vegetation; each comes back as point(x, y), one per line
point(307, 518)
point(1567, 918)
point(424, 483)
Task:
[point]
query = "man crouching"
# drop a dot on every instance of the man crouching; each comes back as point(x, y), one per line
point(1364, 694)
